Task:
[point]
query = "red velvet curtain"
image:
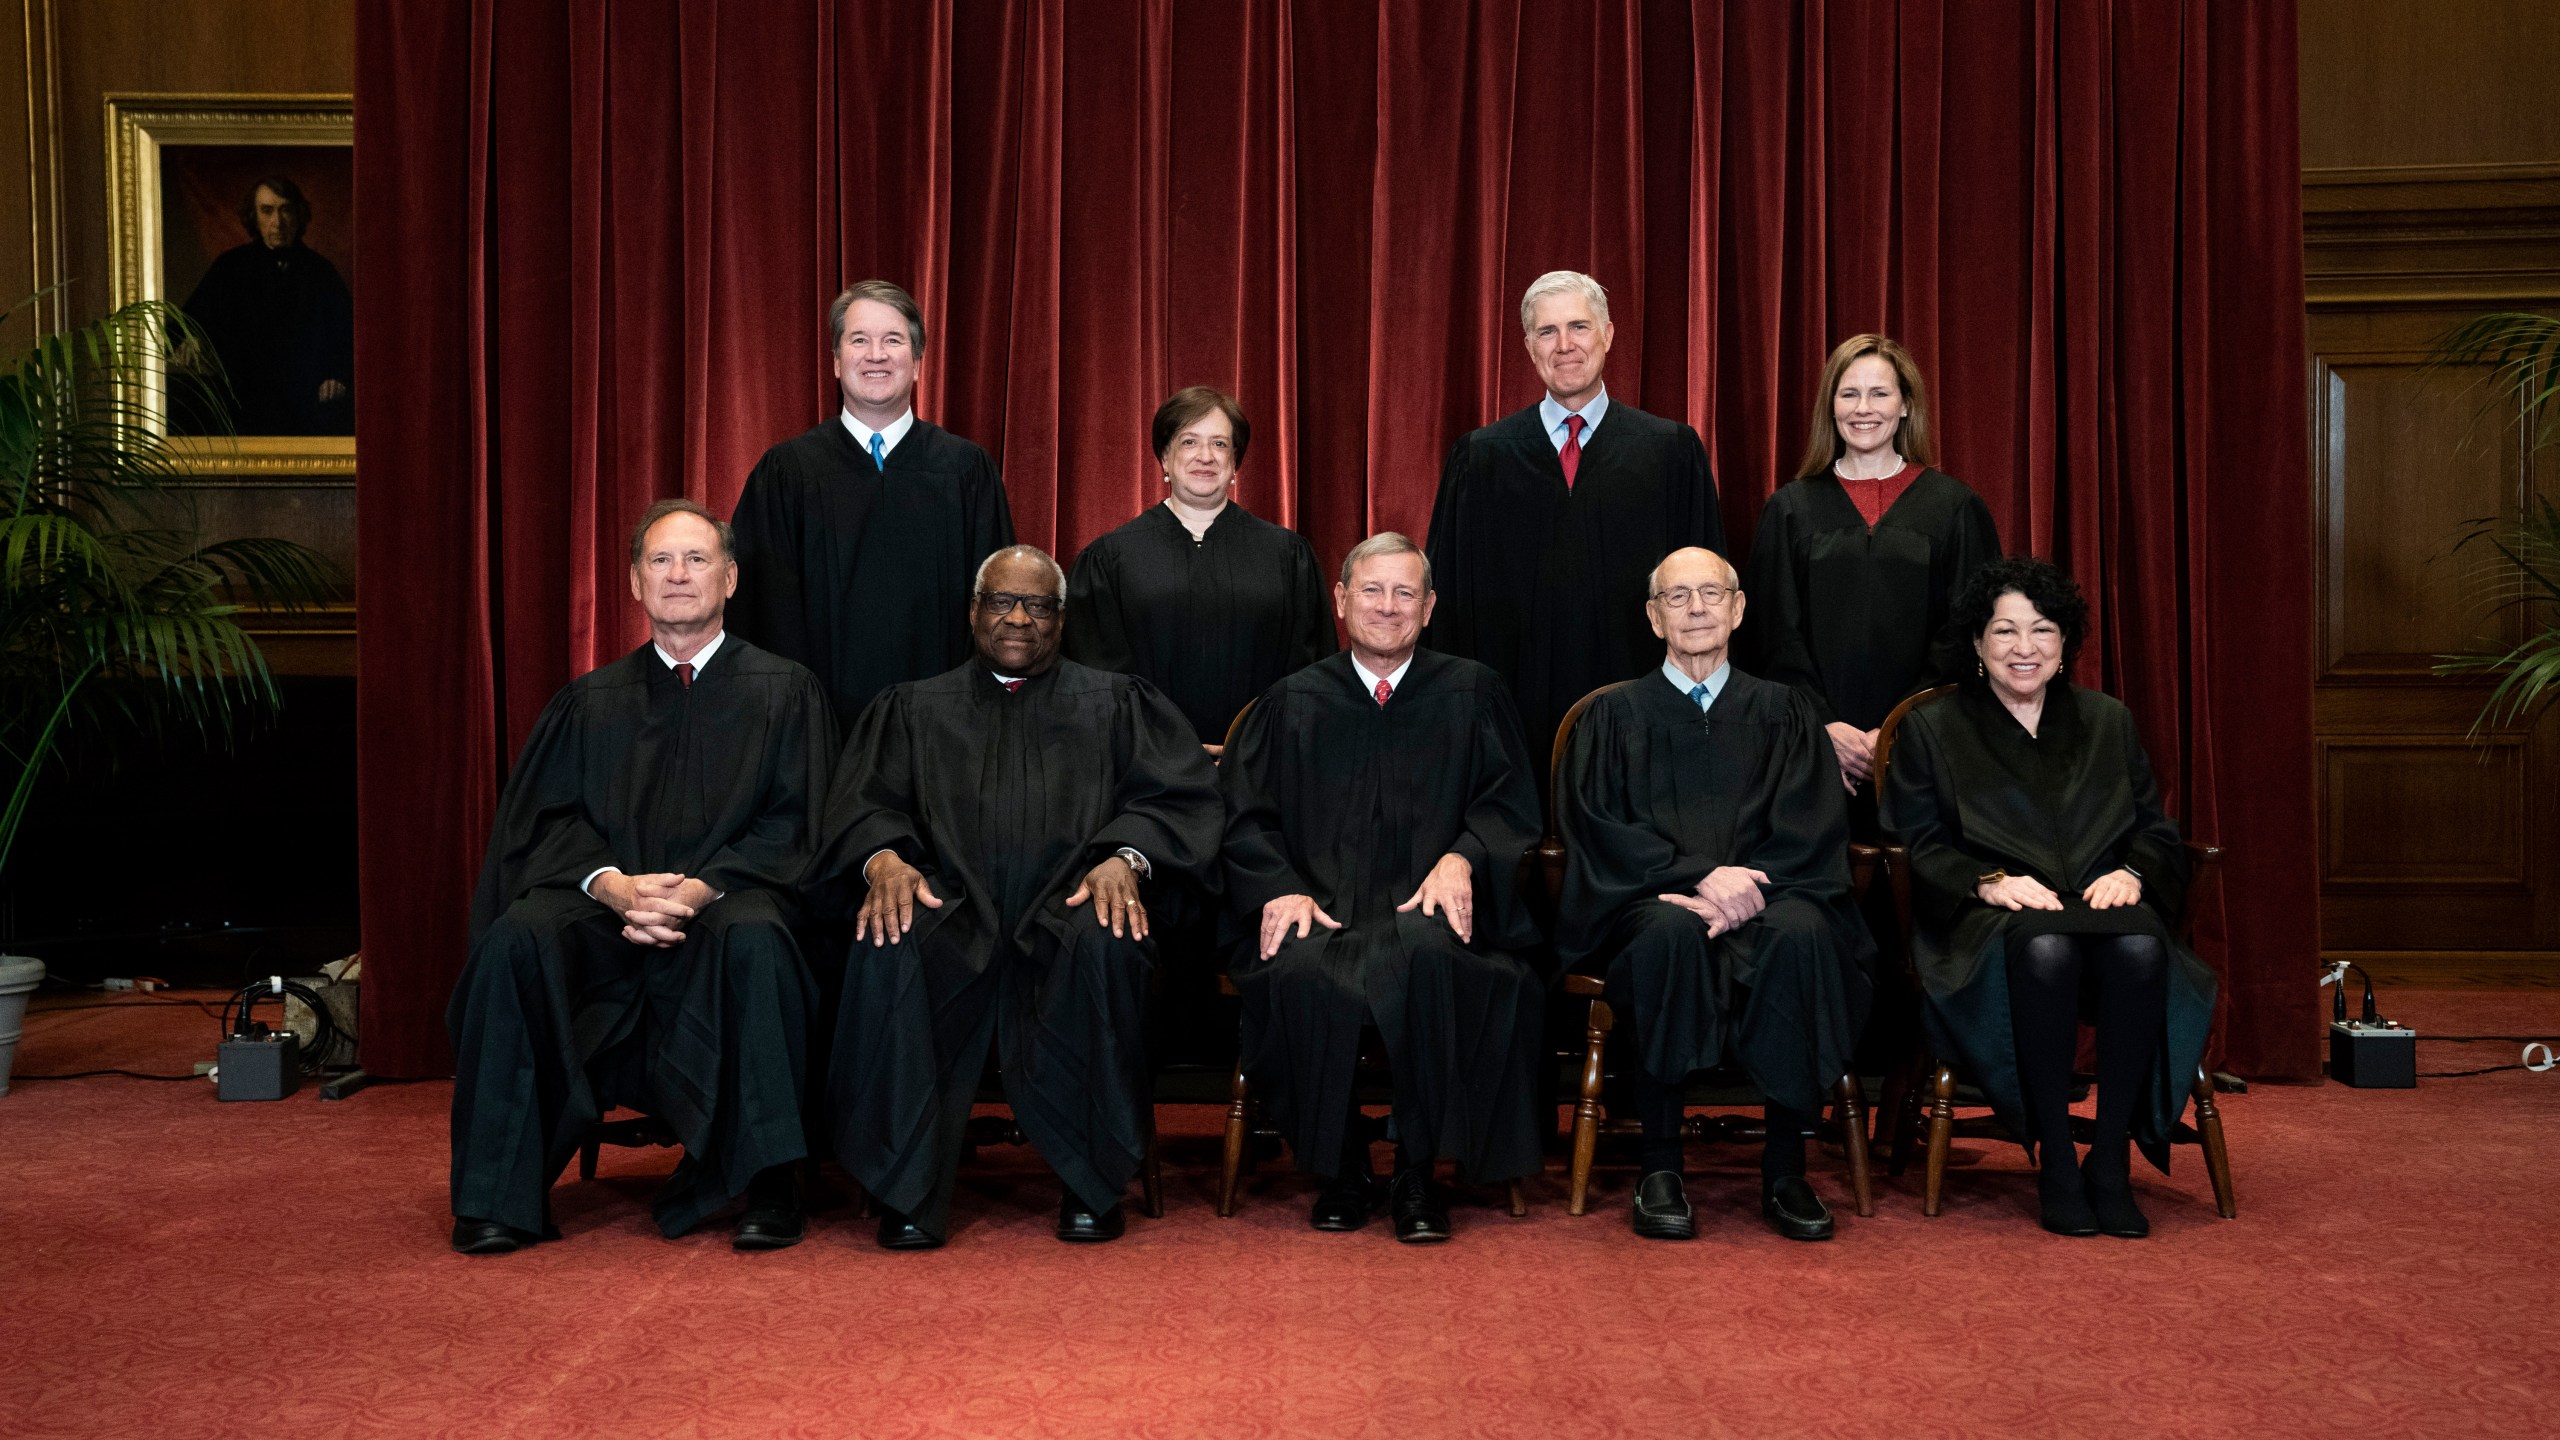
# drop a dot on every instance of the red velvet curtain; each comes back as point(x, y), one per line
point(599, 239)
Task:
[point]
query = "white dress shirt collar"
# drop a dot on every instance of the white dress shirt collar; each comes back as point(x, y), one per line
point(1682, 683)
point(701, 657)
point(1395, 678)
point(890, 434)
point(1552, 411)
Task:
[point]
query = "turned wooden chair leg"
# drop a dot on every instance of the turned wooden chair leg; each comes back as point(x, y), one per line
point(587, 1158)
point(1151, 1173)
point(1239, 1107)
point(1519, 1201)
point(1942, 1126)
point(1586, 1109)
point(1853, 1136)
point(2217, 1158)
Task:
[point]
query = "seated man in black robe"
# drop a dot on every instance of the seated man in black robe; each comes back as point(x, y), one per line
point(1707, 878)
point(632, 938)
point(1378, 804)
point(1002, 826)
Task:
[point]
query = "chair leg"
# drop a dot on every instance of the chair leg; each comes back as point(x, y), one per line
point(1853, 1135)
point(1239, 1107)
point(587, 1158)
point(1942, 1126)
point(2217, 1158)
point(1151, 1173)
point(1586, 1108)
point(1519, 1201)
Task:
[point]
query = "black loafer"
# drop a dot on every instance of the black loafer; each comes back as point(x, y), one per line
point(1662, 1208)
point(1079, 1224)
point(2064, 1207)
point(1345, 1202)
point(1415, 1202)
point(486, 1237)
point(897, 1232)
point(1793, 1210)
point(2111, 1204)
point(772, 1220)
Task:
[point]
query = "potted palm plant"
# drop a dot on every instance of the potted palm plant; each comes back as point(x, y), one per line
point(119, 623)
point(2520, 568)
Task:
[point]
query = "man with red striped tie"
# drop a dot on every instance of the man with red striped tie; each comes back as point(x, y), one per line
point(1378, 804)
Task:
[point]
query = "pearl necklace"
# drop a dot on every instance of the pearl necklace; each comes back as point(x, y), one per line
point(1840, 467)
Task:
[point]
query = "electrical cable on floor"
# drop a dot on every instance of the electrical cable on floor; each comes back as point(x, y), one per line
point(2550, 1059)
point(90, 1074)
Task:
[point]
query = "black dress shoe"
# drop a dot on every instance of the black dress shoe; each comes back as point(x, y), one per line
point(1793, 1210)
point(772, 1220)
point(1343, 1205)
point(2063, 1203)
point(1662, 1208)
point(1079, 1224)
point(486, 1237)
point(2112, 1207)
point(897, 1232)
point(1415, 1202)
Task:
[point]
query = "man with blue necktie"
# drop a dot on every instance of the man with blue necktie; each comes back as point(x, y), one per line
point(857, 540)
point(1707, 880)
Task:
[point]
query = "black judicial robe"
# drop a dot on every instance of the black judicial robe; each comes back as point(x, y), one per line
point(1969, 791)
point(1333, 795)
point(1653, 795)
point(1856, 618)
point(1005, 801)
point(281, 321)
point(557, 1017)
point(861, 575)
point(1547, 585)
point(1210, 622)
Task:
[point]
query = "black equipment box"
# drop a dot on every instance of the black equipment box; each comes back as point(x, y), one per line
point(267, 1068)
point(2373, 1055)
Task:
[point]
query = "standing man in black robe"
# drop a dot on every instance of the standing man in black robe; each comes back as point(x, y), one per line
point(1707, 879)
point(1547, 520)
point(1002, 828)
point(1378, 804)
point(631, 942)
point(856, 541)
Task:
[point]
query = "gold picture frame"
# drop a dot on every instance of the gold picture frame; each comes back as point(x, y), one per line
point(139, 129)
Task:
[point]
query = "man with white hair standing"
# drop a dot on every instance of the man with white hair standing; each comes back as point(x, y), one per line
point(998, 836)
point(1548, 519)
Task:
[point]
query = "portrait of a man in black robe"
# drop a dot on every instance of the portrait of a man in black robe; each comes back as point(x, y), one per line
point(280, 321)
point(633, 939)
point(1000, 834)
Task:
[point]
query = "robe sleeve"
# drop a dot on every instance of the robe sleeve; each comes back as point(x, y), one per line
point(1501, 817)
point(1806, 850)
point(871, 806)
point(2154, 847)
point(1911, 808)
point(775, 850)
point(1097, 631)
point(1313, 637)
point(1166, 805)
point(543, 835)
point(1702, 521)
point(1774, 616)
point(769, 610)
point(1612, 857)
point(1452, 629)
point(1256, 853)
point(1973, 542)
point(991, 516)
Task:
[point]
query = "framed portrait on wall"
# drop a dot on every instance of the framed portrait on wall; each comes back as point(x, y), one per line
point(240, 210)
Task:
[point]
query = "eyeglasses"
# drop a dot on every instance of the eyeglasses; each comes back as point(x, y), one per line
point(996, 603)
point(1678, 597)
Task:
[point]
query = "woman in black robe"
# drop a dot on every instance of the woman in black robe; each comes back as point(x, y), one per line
point(1199, 596)
point(1854, 562)
point(2048, 885)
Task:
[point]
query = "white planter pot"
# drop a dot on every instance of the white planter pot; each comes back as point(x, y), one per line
point(19, 976)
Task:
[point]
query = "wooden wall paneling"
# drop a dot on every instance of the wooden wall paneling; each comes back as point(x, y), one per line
point(2428, 82)
point(30, 174)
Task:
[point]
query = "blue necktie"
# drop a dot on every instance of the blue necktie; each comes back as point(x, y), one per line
point(879, 454)
point(1698, 692)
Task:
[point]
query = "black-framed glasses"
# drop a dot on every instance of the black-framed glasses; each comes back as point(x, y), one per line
point(1679, 596)
point(995, 603)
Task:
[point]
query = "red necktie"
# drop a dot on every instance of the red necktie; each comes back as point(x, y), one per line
point(684, 672)
point(1384, 690)
point(1010, 685)
point(1571, 455)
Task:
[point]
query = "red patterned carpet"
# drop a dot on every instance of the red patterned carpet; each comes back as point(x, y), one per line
point(171, 1266)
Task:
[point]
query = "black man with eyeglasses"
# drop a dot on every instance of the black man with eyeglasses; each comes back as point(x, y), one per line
point(995, 840)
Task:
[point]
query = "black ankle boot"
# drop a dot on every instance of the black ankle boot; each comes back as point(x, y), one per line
point(2107, 1179)
point(2063, 1198)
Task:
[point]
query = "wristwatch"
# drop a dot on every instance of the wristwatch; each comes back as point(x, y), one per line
point(1136, 862)
point(1994, 878)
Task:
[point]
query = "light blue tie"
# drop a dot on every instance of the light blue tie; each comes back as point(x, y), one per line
point(879, 453)
point(1698, 692)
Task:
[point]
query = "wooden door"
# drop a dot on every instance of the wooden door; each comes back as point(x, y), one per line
point(2439, 852)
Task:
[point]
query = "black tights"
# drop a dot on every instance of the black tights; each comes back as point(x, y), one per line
point(2128, 976)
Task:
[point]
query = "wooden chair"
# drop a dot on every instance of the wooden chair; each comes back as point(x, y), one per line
point(1590, 1119)
point(1245, 1125)
point(1896, 1122)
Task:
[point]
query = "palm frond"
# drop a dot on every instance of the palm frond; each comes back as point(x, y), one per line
point(2522, 353)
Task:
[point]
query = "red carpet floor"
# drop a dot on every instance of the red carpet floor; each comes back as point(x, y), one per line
point(171, 1266)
